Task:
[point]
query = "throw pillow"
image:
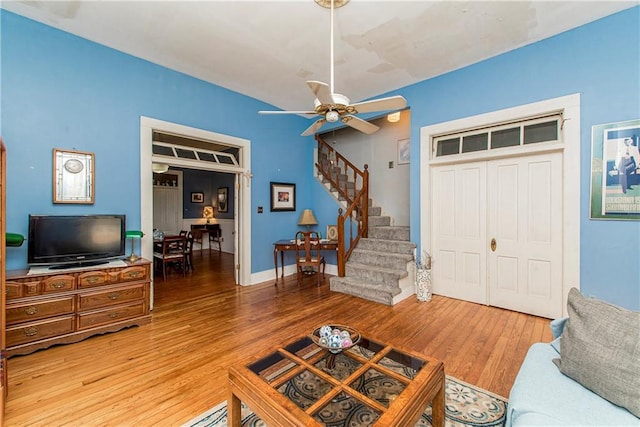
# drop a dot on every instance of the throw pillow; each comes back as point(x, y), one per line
point(601, 350)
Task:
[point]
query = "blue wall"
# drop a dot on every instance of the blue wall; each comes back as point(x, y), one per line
point(601, 61)
point(62, 91)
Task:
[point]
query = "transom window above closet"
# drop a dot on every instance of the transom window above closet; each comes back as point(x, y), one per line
point(521, 133)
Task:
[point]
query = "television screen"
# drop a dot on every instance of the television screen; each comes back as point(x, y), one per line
point(75, 240)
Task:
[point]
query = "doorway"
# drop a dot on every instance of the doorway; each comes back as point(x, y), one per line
point(241, 170)
point(472, 266)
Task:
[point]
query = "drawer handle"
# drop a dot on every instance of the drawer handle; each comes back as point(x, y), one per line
point(135, 274)
point(93, 280)
point(114, 296)
point(58, 285)
point(32, 331)
point(31, 310)
point(113, 315)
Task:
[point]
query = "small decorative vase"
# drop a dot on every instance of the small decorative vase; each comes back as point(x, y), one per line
point(423, 284)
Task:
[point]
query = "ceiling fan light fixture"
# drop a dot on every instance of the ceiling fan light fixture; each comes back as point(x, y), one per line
point(332, 116)
point(336, 3)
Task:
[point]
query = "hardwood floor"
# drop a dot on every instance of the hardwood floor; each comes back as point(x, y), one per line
point(167, 372)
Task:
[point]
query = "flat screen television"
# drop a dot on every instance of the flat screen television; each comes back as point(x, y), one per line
point(75, 240)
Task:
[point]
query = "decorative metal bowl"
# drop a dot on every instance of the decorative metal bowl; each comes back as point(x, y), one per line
point(346, 337)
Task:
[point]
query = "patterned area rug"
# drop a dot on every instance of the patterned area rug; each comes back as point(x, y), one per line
point(465, 405)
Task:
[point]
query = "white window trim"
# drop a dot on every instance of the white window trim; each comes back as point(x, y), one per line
point(570, 106)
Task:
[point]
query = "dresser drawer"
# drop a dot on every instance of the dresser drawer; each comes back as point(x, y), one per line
point(22, 289)
point(34, 331)
point(114, 296)
point(138, 272)
point(58, 284)
point(39, 309)
point(111, 315)
point(13, 290)
point(93, 278)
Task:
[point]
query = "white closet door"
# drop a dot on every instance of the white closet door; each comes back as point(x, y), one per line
point(167, 209)
point(525, 221)
point(459, 231)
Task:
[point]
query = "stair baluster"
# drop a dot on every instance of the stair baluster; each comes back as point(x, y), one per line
point(337, 170)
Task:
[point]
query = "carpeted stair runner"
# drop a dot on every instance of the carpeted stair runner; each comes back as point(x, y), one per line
point(378, 269)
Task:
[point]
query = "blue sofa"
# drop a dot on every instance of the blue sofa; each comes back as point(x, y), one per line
point(542, 396)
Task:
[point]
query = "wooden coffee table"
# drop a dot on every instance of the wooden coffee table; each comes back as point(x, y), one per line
point(372, 383)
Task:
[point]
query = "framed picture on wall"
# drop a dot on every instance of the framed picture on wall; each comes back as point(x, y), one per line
point(223, 199)
point(197, 197)
point(615, 171)
point(283, 197)
point(404, 151)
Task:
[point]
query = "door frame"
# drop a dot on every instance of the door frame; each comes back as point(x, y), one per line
point(570, 145)
point(242, 227)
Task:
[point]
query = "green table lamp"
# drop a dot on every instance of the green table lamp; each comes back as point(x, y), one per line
point(133, 234)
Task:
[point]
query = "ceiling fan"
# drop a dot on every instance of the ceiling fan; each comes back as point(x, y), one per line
point(331, 106)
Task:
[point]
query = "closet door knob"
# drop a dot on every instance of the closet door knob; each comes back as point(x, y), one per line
point(493, 245)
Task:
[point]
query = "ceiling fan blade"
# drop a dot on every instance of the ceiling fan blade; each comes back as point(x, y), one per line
point(314, 127)
point(321, 91)
point(359, 124)
point(390, 103)
point(288, 112)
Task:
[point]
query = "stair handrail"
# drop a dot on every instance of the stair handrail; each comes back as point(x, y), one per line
point(357, 206)
point(340, 162)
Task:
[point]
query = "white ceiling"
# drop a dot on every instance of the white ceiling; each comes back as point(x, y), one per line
point(269, 49)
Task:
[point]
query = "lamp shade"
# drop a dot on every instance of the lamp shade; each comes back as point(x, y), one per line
point(14, 239)
point(207, 212)
point(307, 218)
point(134, 234)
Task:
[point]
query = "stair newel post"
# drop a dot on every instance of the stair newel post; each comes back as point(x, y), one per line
point(365, 202)
point(340, 255)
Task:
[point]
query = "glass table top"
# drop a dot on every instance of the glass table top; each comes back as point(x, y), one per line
point(353, 387)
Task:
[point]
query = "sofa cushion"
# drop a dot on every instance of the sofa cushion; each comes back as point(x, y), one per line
point(601, 350)
point(542, 396)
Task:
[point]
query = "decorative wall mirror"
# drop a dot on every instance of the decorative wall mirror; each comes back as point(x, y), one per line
point(73, 175)
point(223, 195)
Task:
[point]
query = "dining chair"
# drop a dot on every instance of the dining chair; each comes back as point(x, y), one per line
point(308, 254)
point(172, 254)
point(188, 251)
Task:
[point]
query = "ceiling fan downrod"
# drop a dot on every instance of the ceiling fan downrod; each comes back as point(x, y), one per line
point(331, 4)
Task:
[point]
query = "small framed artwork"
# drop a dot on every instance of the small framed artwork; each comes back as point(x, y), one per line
point(197, 197)
point(73, 176)
point(283, 197)
point(332, 232)
point(404, 151)
point(223, 196)
point(615, 171)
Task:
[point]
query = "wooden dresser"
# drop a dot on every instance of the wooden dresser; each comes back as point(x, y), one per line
point(62, 307)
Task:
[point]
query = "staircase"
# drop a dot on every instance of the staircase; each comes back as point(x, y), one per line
point(381, 266)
